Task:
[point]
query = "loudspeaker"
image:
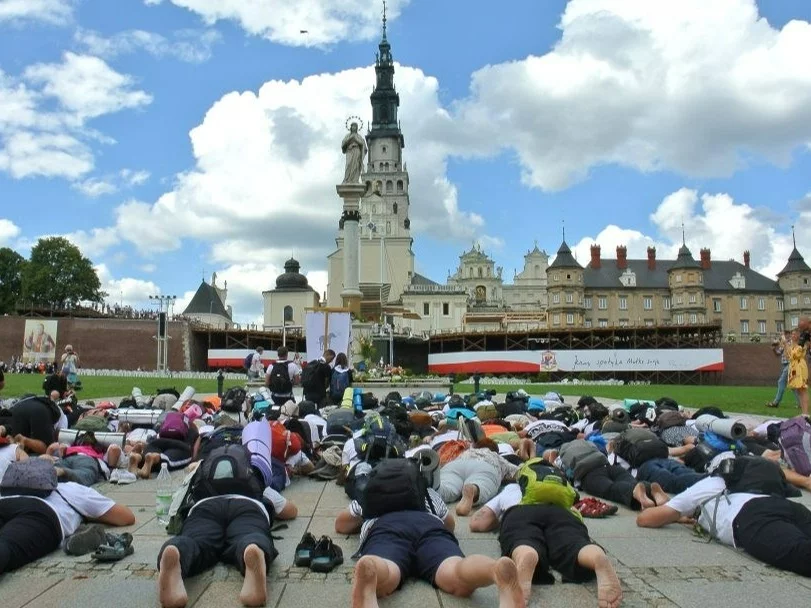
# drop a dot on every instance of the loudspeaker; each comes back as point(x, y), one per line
point(162, 326)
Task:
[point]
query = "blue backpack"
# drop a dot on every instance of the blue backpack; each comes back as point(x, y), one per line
point(338, 383)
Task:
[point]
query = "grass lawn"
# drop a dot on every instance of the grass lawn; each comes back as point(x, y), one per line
point(112, 386)
point(741, 399)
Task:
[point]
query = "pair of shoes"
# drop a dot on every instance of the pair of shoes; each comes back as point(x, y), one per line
point(320, 556)
point(86, 539)
point(123, 477)
point(116, 547)
point(594, 508)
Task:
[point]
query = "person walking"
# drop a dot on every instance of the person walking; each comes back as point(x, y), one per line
point(798, 369)
point(781, 348)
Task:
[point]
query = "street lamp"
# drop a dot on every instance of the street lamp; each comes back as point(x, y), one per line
point(165, 304)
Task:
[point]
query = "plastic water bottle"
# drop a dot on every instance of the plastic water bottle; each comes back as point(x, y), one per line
point(357, 400)
point(163, 495)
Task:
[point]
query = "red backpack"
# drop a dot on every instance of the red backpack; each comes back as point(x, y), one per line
point(284, 443)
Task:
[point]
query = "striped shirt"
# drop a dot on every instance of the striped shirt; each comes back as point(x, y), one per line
point(440, 511)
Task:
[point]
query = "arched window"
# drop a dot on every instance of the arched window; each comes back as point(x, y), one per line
point(389, 187)
point(387, 166)
point(374, 209)
point(481, 293)
point(368, 185)
point(383, 149)
point(394, 208)
point(399, 185)
point(480, 272)
point(379, 184)
point(537, 271)
point(288, 314)
point(470, 272)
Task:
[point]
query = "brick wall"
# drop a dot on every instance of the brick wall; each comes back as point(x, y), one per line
point(103, 343)
point(750, 365)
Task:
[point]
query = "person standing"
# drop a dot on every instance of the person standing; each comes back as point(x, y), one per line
point(340, 379)
point(256, 369)
point(315, 378)
point(781, 349)
point(70, 365)
point(281, 376)
point(798, 369)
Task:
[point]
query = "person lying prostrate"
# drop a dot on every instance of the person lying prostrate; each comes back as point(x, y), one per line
point(35, 421)
point(31, 527)
point(770, 528)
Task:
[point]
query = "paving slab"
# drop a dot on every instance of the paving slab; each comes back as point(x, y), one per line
point(225, 594)
point(734, 595)
point(18, 591)
point(655, 553)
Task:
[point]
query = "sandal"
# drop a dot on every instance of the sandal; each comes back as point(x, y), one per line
point(595, 509)
point(117, 548)
point(326, 555)
point(304, 551)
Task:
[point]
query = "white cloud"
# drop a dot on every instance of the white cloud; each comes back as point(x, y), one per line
point(94, 242)
point(193, 46)
point(8, 231)
point(38, 139)
point(687, 86)
point(95, 187)
point(149, 268)
point(57, 12)
point(715, 221)
point(127, 290)
point(282, 21)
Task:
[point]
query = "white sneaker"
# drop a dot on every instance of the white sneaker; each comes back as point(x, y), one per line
point(125, 477)
point(115, 476)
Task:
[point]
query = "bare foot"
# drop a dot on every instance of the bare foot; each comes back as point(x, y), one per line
point(134, 462)
point(509, 591)
point(526, 560)
point(364, 587)
point(641, 496)
point(550, 456)
point(660, 497)
point(150, 460)
point(171, 591)
point(470, 493)
point(609, 591)
point(255, 588)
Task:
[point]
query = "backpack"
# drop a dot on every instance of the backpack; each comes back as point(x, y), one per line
point(31, 477)
point(544, 484)
point(669, 419)
point(93, 423)
point(379, 440)
point(341, 421)
point(394, 485)
point(284, 443)
point(233, 400)
point(225, 435)
point(174, 426)
point(393, 397)
point(338, 383)
point(487, 411)
point(795, 443)
point(227, 470)
point(248, 361)
point(309, 375)
point(753, 475)
point(303, 432)
point(279, 381)
point(368, 401)
point(637, 446)
point(398, 415)
point(516, 406)
point(581, 457)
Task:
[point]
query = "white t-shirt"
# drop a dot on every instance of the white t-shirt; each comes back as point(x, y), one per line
point(349, 456)
point(443, 437)
point(318, 427)
point(8, 454)
point(507, 498)
point(256, 363)
point(706, 494)
point(293, 370)
point(86, 500)
point(539, 427)
point(277, 500)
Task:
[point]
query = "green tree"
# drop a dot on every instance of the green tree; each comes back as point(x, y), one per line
point(58, 275)
point(11, 278)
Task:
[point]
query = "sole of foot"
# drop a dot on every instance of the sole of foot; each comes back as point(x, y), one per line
point(364, 586)
point(609, 590)
point(510, 594)
point(255, 587)
point(641, 496)
point(526, 562)
point(171, 591)
point(465, 505)
point(660, 497)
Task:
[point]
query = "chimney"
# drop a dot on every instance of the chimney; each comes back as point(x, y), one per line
point(622, 257)
point(595, 257)
point(746, 258)
point(706, 260)
point(651, 258)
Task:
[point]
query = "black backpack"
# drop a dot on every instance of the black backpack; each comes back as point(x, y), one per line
point(393, 397)
point(396, 484)
point(753, 475)
point(514, 406)
point(227, 470)
point(309, 376)
point(279, 381)
point(233, 400)
point(223, 436)
point(302, 429)
point(168, 391)
point(368, 401)
point(637, 446)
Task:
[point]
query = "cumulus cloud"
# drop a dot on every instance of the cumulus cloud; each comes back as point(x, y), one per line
point(282, 21)
point(56, 12)
point(715, 221)
point(126, 291)
point(95, 187)
point(193, 46)
point(685, 86)
point(41, 138)
point(8, 231)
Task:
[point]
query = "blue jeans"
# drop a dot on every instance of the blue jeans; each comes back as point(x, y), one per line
point(782, 382)
point(672, 475)
point(80, 468)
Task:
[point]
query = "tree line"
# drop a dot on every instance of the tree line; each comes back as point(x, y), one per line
point(56, 275)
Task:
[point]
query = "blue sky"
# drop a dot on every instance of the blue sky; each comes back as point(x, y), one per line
point(172, 138)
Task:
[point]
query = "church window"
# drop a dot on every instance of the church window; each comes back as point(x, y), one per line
point(399, 185)
point(426, 309)
point(388, 227)
point(537, 271)
point(383, 149)
point(470, 272)
point(389, 186)
point(288, 314)
point(378, 183)
point(368, 185)
point(394, 208)
point(387, 166)
point(480, 272)
point(374, 208)
point(446, 309)
point(481, 293)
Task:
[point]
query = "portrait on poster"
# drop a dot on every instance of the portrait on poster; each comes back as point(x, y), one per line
point(39, 342)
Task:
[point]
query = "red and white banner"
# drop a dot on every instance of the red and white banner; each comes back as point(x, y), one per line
point(235, 357)
point(575, 361)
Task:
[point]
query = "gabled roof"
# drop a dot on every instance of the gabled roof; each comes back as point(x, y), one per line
point(716, 278)
point(795, 263)
point(418, 279)
point(206, 301)
point(564, 258)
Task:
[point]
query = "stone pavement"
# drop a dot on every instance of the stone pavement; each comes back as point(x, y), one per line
point(658, 568)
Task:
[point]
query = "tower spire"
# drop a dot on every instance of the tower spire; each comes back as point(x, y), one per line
point(384, 19)
point(563, 227)
point(683, 240)
point(793, 237)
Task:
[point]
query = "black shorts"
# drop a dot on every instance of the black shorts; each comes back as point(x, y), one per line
point(557, 536)
point(417, 542)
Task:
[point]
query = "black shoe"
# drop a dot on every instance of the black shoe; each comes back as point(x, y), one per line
point(304, 551)
point(326, 555)
point(86, 539)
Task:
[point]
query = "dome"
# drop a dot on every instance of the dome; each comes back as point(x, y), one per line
point(292, 278)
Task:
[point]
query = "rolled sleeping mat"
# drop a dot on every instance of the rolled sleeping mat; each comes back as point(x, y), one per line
point(139, 398)
point(139, 417)
point(628, 403)
point(536, 404)
point(68, 437)
point(429, 465)
point(188, 393)
point(724, 427)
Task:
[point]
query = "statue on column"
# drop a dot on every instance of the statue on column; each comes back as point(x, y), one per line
point(354, 148)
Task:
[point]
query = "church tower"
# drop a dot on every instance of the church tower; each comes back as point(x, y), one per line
point(386, 258)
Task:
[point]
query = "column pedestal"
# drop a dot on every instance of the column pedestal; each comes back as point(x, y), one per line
point(351, 195)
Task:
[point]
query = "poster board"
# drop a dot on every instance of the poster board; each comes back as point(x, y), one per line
point(39, 340)
point(328, 329)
